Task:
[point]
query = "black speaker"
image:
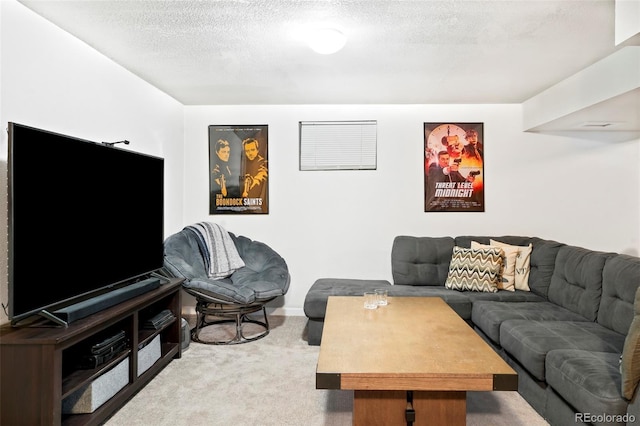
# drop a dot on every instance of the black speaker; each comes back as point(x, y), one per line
point(104, 301)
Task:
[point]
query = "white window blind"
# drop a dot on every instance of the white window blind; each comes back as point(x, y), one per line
point(338, 145)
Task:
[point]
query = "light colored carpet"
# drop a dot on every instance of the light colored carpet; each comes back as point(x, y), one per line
point(272, 382)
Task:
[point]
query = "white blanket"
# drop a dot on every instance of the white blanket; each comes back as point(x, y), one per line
point(220, 254)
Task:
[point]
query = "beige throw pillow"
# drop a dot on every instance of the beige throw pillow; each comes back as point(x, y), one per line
point(523, 263)
point(507, 279)
point(630, 360)
point(474, 269)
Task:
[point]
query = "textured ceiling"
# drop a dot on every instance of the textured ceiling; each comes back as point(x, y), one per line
point(253, 52)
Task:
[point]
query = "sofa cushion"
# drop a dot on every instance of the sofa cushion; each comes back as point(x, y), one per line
point(488, 315)
point(522, 263)
point(630, 360)
point(576, 283)
point(420, 260)
point(474, 269)
point(543, 257)
point(620, 281)
point(589, 381)
point(315, 302)
point(505, 296)
point(458, 301)
point(314, 331)
point(529, 341)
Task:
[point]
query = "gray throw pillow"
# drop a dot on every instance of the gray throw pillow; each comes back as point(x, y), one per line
point(630, 360)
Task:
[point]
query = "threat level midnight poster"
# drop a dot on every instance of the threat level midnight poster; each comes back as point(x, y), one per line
point(454, 167)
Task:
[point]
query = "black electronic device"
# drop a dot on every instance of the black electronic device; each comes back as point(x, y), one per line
point(100, 351)
point(160, 320)
point(90, 213)
point(103, 346)
point(95, 361)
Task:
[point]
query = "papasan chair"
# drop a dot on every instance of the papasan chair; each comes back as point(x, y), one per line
point(264, 277)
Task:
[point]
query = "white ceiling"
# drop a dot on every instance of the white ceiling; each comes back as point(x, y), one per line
point(251, 51)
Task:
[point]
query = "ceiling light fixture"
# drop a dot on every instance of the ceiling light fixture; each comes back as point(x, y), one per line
point(326, 40)
point(598, 124)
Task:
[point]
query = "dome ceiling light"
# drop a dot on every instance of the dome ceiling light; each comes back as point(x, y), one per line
point(326, 40)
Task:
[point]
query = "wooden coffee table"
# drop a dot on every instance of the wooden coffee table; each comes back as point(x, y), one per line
point(411, 361)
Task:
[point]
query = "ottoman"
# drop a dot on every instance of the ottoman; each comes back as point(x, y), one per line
point(315, 303)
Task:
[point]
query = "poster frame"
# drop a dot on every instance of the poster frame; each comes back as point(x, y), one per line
point(239, 184)
point(458, 186)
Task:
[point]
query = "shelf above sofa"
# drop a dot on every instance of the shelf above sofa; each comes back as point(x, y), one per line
point(601, 102)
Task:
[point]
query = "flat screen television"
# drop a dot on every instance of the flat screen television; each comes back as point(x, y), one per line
point(85, 218)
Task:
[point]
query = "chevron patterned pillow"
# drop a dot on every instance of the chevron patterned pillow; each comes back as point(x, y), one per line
point(475, 269)
point(507, 279)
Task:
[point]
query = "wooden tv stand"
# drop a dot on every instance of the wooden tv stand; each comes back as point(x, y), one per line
point(35, 359)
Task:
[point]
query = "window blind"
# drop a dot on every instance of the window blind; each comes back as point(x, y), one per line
point(338, 145)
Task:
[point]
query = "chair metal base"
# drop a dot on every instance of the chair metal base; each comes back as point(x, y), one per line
point(237, 314)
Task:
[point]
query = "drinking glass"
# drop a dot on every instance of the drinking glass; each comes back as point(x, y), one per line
point(381, 296)
point(370, 300)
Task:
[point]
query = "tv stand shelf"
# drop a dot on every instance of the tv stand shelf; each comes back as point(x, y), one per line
point(38, 362)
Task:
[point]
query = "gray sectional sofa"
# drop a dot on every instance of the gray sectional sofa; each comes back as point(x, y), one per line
point(565, 337)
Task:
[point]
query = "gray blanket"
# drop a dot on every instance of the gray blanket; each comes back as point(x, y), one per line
point(220, 255)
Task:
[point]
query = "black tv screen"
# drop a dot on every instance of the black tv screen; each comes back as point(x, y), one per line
point(84, 217)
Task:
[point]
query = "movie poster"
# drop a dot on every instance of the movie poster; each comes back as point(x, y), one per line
point(238, 169)
point(453, 167)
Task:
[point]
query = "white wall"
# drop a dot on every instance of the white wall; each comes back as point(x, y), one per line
point(325, 224)
point(342, 223)
point(627, 14)
point(53, 81)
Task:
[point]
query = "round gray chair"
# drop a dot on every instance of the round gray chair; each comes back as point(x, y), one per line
point(264, 277)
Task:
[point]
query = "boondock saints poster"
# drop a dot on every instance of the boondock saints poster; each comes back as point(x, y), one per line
point(453, 167)
point(238, 169)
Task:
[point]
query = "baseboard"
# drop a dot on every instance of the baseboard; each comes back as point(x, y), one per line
point(285, 312)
